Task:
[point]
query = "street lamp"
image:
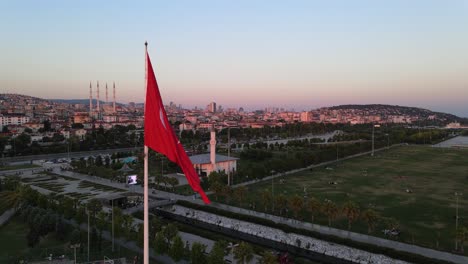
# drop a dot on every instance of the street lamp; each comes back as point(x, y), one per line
point(75, 246)
point(456, 218)
point(272, 192)
point(87, 211)
point(112, 225)
point(336, 153)
point(388, 140)
point(68, 148)
point(229, 156)
point(373, 128)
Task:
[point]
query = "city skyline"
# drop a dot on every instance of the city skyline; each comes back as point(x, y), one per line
point(300, 55)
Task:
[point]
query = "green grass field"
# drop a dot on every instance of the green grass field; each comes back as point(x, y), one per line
point(426, 214)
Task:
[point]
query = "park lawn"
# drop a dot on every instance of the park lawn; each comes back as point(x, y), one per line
point(426, 215)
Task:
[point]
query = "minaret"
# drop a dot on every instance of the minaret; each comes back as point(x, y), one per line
point(106, 95)
point(213, 148)
point(114, 97)
point(98, 110)
point(90, 100)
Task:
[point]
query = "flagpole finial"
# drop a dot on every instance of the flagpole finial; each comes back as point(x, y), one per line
point(146, 44)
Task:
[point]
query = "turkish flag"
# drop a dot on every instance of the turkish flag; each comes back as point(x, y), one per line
point(159, 135)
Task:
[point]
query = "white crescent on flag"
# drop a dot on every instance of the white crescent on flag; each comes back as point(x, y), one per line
point(161, 117)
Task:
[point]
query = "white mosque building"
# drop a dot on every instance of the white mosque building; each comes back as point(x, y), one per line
point(206, 163)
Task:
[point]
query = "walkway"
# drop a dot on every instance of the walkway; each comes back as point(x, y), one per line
point(430, 253)
point(6, 216)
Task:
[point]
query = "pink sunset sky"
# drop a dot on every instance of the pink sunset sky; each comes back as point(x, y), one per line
point(294, 54)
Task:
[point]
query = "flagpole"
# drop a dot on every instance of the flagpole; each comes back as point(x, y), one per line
point(145, 183)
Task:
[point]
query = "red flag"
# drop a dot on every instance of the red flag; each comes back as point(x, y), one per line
point(159, 135)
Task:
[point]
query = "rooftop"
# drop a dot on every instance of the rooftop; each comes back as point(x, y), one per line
point(205, 158)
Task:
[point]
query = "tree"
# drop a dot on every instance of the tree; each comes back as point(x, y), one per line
point(107, 162)
point(296, 203)
point(217, 252)
point(351, 211)
point(239, 194)
point(75, 237)
point(177, 248)
point(217, 189)
point(266, 198)
point(21, 142)
point(173, 182)
point(155, 226)
point(140, 235)
point(370, 217)
point(243, 253)
point(227, 193)
point(269, 258)
point(330, 210)
point(197, 255)
point(313, 206)
point(281, 203)
point(127, 223)
point(33, 237)
point(160, 244)
point(118, 221)
point(98, 161)
point(3, 142)
point(61, 230)
point(462, 236)
point(77, 125)
point(169, 232)
point(15, 198)
point(94, 206)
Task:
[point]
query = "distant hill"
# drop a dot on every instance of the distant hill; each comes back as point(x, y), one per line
point(386, 110)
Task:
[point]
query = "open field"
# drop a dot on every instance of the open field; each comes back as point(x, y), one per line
point(413, 184)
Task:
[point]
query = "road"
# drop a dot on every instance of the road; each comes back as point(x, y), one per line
point(66, 155)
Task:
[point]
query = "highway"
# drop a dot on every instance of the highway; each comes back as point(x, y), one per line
point(66, 155)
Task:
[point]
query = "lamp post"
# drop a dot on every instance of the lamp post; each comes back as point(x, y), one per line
point(373, 128)
point(88, 230)
point(336, 153)
point(388, 140)
point(272, 192)
point(68, 148)
point(272, 195)
point(112, 225)
point(456, 219)
point(74, 246)
point(229, 156)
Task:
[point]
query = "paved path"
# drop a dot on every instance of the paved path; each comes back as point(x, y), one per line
point(431, 253)
point(6, 216)
point(66, 155)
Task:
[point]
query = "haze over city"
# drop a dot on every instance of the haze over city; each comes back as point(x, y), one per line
point(254, 54)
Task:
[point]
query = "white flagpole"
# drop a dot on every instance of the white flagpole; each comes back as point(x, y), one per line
point(145, 183)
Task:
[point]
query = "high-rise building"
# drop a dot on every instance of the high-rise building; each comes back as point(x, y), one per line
point(211, 107)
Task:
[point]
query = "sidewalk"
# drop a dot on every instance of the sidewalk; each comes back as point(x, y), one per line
point(426, 252)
